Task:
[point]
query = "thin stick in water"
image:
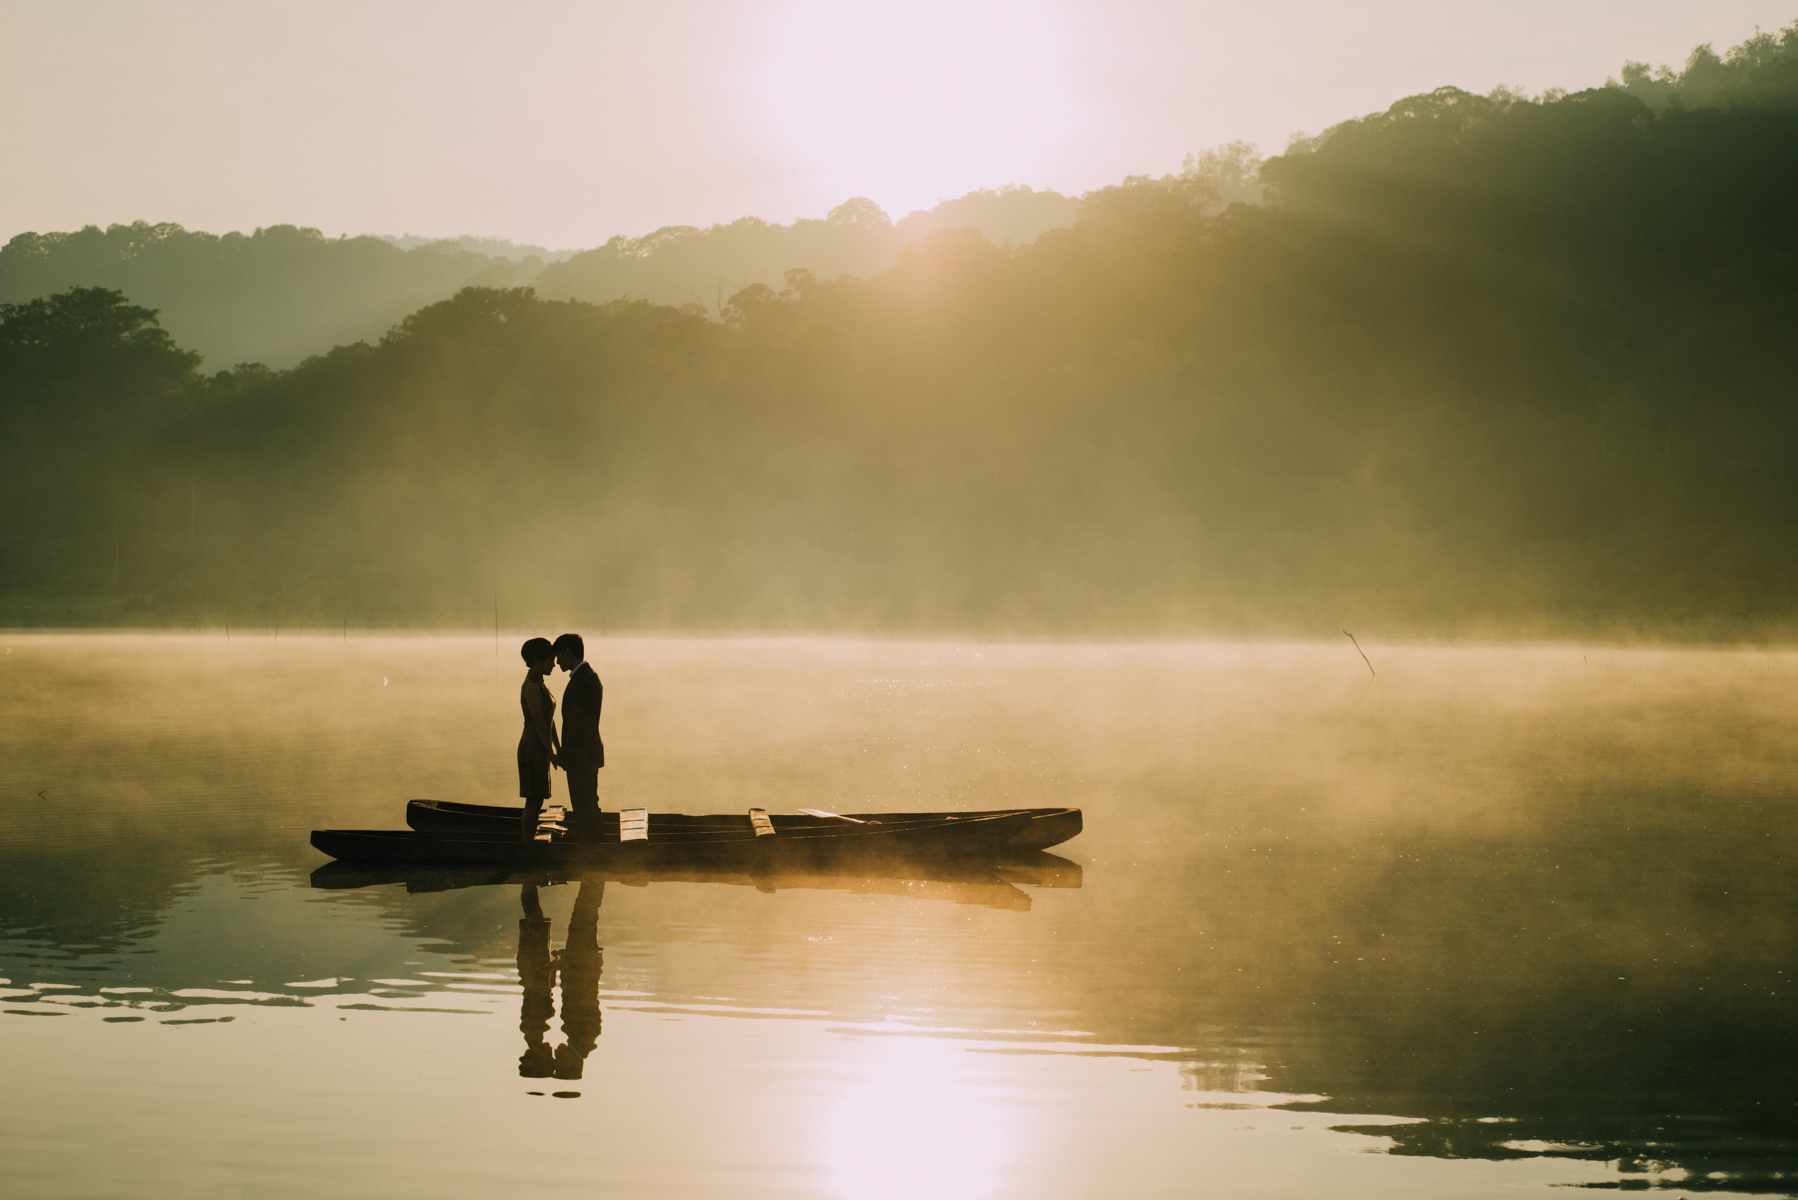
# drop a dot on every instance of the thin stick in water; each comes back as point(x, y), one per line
point(1362, 653)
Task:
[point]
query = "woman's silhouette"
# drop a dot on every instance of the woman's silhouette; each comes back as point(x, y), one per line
point(538, 749)
point(537, 975)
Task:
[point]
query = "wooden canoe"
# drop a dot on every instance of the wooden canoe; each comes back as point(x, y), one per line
point(827, 841)
point(1046, 827)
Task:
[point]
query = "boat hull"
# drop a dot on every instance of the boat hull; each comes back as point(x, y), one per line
point(1046, 826)
point(830, 842)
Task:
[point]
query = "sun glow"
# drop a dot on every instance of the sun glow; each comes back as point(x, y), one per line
point(912, 104)
point(916, 1122)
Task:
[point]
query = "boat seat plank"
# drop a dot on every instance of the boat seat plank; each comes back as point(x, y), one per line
point(633, 825)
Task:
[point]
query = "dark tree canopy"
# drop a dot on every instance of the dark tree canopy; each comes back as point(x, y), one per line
point(88, 333)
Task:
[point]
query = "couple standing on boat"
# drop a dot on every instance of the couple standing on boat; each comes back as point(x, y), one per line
point(579, 752)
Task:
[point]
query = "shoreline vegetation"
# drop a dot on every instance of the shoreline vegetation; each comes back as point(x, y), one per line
point(1477, 366)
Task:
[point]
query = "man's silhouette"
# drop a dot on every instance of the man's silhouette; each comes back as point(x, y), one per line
point(583, 754)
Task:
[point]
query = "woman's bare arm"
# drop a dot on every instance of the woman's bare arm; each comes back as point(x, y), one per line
point(546, 731)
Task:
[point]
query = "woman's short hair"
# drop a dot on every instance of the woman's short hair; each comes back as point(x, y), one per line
point(536, 650)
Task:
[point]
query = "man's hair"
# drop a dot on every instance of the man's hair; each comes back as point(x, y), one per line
point(571, 642)
point(535, 651)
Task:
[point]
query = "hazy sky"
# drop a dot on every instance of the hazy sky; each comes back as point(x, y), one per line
point(564, 123)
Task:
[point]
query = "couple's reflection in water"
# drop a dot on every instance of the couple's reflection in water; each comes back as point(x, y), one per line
point(574, 971)
point(576, 966)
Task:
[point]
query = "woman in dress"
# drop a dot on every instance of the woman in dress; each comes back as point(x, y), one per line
point(538, 749)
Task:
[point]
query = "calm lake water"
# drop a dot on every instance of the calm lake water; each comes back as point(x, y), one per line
point(1498, 921)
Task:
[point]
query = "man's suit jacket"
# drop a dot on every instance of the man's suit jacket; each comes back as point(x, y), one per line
point(581, 701)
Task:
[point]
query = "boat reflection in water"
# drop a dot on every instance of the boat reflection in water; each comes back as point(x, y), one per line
point(986, 883)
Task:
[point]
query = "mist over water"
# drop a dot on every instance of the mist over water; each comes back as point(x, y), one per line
point(1497, 918)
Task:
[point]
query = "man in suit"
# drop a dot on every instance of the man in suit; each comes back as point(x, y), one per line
point(583, 754)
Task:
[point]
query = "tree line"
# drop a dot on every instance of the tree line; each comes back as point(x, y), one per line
point(279, 295)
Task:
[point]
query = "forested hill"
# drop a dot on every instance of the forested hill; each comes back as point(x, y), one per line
point(683, 265)
point(274, 296)
point(493, 247)
point(283, 294)
point(1480, 364)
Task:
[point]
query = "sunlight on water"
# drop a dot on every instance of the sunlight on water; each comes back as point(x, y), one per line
point(1504, 919)
point(914, 1124)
